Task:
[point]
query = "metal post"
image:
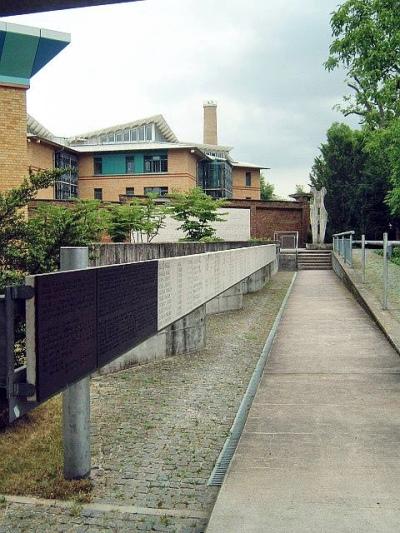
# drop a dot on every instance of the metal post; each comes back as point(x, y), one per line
point(363, 257)
point(385, 271)
point(342, 249)
point(351, 250)
point(76, 399)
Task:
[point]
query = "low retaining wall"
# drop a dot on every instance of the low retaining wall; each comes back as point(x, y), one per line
point(114, 254)
point(388, 325)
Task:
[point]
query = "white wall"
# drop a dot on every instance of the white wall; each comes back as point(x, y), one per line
point(236, 227)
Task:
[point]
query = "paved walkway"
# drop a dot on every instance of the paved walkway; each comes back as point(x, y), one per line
point(320, 452)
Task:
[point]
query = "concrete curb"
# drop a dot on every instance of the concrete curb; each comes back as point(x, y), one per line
point(383, 319)
point(107, 508)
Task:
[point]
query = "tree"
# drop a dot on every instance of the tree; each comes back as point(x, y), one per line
point(53, 226)
point(300, 189)
point(367, 43)
point(267, 189)
point(138, 220)
point(356, 186)
point(13, 228)
point(197, 210)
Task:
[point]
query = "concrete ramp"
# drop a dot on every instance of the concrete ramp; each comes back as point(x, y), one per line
point(320, 452)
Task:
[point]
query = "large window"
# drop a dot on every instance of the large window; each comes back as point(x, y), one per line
point(130, 191)
point(98, 194)
point(155, 163)
point(215, 178)
point(98, 165)
point(248, 179)
point(161, 191)
point(66, 186)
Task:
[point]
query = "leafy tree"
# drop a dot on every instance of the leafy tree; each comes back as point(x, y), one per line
point(267, 189)
point(197, 211)
point(300, 189)
point(53, 226)
point(31, 246)
point(367, 43)
point(356, 186)
point(143, 218)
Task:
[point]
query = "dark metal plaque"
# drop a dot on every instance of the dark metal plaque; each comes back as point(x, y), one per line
point(126, 307)
point(65, 329)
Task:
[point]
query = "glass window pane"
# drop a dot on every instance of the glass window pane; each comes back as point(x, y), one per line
point(149, 132)
point(141, 133)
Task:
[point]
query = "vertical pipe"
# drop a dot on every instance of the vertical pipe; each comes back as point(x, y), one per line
point(385, 271)
point(76, 399)
point(363, 257)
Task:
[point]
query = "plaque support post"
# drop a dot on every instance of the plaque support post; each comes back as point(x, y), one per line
point(76, 399)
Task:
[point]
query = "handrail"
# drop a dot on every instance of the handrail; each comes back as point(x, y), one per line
point(343, 233)
point(396, 243)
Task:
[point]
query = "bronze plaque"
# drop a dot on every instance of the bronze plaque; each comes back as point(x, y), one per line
point(65, 322)
point(126, 307)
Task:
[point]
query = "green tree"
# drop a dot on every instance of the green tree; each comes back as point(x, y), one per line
point(367, 43)
point(53, 226)
point(267, 189)
point(139, 220)
point(13, 228)
point(197, 211)
point(356, 186)
point(300, 189)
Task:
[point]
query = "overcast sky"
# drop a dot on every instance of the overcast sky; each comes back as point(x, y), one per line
point(261, 60)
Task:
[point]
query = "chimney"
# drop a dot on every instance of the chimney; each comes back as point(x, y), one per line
point(210, 133)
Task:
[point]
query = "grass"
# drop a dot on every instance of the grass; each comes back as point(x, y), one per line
point(31, 454)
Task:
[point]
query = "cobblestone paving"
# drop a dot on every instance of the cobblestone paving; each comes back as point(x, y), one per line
point(159, 428)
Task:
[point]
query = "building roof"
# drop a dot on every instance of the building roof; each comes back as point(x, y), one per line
point(20, 7)
point(248, 165)
point(139, 146)
point(25, 50)
point(159, 120)
point(34, 128)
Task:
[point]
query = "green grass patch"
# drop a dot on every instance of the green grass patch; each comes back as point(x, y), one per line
point(31, 454)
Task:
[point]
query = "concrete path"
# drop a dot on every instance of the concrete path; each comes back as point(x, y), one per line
point(320, 452)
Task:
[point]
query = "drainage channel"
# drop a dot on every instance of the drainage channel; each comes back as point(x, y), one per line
point(224, 459)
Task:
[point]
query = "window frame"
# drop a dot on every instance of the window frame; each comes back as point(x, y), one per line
point(96, 191)
point(248, 179)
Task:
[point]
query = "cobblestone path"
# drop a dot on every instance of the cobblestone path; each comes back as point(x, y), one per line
point(159, 428)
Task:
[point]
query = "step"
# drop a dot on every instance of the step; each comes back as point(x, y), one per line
point(314, 267)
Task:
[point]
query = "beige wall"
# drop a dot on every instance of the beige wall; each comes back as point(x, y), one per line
point(41, 156)
point(181, 176)
point(239, 183)
point(13, 152)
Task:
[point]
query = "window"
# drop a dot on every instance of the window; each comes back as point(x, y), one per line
point(129, 165)
point(130, 191)
point(118, 136)
point(161, 191)
point(149, 132)
point(66, 185)
point(126, 136)
point(141, 133)
point(155, 163)
point(133, 135)
point(248, 179)
point(98, 165)
point(111, 137)
point(98, 194)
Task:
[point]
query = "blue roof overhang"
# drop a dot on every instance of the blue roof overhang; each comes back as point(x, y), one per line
point(25, 50)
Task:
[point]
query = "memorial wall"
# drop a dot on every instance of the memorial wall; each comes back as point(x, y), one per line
point(79, 321)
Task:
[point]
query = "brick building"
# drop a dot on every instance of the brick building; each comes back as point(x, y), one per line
point(130, 159)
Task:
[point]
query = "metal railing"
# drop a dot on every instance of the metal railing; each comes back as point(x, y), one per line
point(343, 246)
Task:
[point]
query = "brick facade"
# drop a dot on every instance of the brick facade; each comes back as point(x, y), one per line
point(268, 217)
point(13, 150)
point(40, 157)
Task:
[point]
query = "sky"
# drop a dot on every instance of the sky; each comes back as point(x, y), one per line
point(261, 60)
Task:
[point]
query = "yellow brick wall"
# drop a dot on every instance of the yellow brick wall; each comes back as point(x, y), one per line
point(181, 176)
point(41, 156)
point(239, 183)
point(13, 151)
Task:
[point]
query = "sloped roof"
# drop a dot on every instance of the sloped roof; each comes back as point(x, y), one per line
point(159, 120)
point(38, 130)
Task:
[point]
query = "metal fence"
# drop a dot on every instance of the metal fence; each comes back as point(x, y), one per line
point(377, 277)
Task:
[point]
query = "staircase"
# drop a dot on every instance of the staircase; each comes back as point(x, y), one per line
point(314, 260)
